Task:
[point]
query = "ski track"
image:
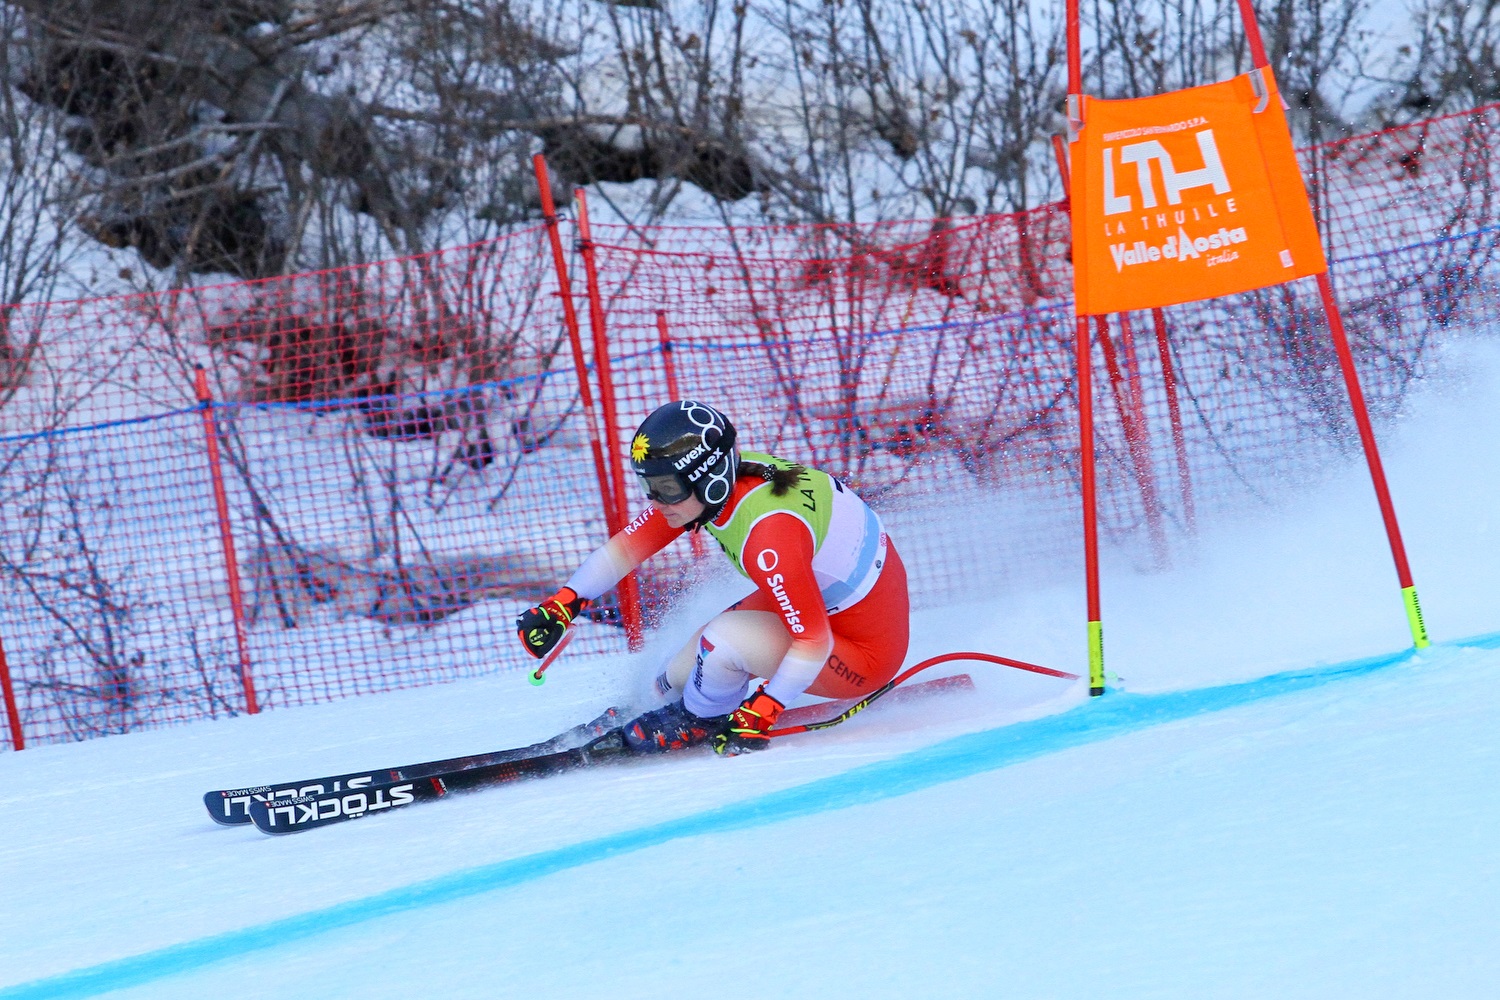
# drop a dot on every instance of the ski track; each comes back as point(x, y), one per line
point(953, 760)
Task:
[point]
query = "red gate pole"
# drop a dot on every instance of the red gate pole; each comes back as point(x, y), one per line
point(1090, 514)
point(1116, 379)
point(12, 714)
point(226, 536)
point(1414, 619)
point(1413, 607)
point(630, 594)
point(1085, 391)
point(575, 338)
point(1130, 365)
point(1252, 34)
point(1134, 420)
point(695, 537)
point(1174, 410)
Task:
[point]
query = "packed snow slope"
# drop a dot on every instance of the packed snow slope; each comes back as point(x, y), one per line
point(1278, 798)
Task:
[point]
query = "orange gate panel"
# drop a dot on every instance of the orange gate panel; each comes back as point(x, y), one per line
point(1186, 196)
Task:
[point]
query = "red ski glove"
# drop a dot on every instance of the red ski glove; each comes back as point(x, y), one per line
point(749, 726)
point(542, 626)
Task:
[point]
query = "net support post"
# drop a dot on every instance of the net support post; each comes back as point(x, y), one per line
point(575, 337)
point(1124, 380)
point(226, 536)
point(12, 712)
point(1174, 412)
point(629, 589)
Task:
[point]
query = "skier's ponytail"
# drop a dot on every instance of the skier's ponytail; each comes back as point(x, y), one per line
point(781, 480)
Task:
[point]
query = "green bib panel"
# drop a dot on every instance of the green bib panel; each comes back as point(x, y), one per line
point(811, 500)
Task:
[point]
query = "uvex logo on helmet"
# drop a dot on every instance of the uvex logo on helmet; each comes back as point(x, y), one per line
point(692, 441)
point(690, 457)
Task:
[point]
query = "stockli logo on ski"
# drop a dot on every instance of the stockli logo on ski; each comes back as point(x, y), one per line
point(231, 806)
point(289, 808)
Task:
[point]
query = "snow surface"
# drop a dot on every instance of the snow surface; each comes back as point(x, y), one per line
point(1280, 799)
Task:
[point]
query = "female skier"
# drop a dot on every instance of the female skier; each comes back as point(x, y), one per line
point(829, 614)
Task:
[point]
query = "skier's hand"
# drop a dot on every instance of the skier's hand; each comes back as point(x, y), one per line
point(542, 626)
point(749, 726)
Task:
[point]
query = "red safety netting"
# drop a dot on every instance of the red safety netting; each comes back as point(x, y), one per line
point(405, 460)
point(935, 359)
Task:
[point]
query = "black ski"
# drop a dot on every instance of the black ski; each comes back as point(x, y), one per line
point(293, 815)
point(229, 805)
point(287, 814)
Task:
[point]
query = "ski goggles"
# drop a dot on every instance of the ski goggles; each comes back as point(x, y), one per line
point(667, 489)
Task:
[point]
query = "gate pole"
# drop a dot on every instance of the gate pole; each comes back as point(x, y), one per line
point(226, 536)
point(630, 591)
point(575, 338)
point(12, 714)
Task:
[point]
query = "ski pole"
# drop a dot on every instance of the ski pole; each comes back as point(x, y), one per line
point(535, 676)
point(873, 696)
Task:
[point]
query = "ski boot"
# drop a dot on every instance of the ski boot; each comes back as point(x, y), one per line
point(671, 727)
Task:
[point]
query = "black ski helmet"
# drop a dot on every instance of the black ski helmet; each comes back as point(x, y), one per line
point(686, 447)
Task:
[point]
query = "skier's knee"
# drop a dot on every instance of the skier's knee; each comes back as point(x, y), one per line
point(733, 648)
point(720, 676)
point(674, 675)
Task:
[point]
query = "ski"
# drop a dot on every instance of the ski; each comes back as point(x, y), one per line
point(288, 814)
point(229, 806)
point(307, 812)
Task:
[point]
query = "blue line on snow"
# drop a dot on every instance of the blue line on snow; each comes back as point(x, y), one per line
point(961, 757)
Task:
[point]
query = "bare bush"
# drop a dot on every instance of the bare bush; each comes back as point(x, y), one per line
point(1451, 63)
point(96, 663)
point(38, 205)
point(261, 136)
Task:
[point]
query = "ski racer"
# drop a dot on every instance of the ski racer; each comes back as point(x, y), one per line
point(829, 615)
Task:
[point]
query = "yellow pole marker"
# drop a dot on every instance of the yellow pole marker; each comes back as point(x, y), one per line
point(1096, 658)
point(1414, 617)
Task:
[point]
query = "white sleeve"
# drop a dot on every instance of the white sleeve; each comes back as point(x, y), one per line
point(605, 567)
